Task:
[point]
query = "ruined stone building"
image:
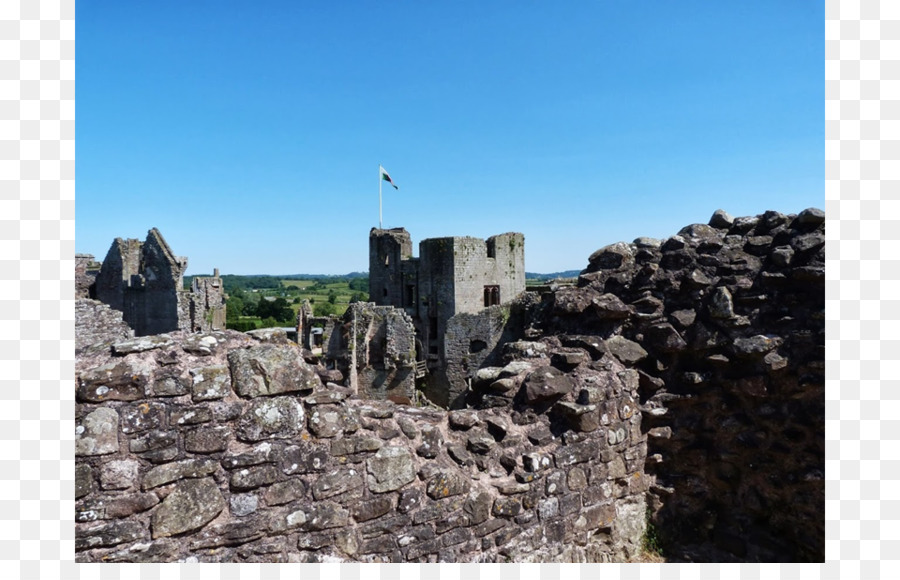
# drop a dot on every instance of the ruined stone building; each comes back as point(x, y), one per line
point(451, 276)
point(144, 281)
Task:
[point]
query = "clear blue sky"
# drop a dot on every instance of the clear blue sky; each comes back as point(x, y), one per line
point(250, 133)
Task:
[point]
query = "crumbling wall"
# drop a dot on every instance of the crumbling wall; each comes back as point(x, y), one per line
point(144, 281)
point(86, 271)
point(379, 352)
point(725, 323)
point(207, 303)
point(98, 324)
point(221, 448)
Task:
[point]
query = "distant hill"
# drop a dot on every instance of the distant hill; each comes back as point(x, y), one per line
point(553, 276)
point(260, 281)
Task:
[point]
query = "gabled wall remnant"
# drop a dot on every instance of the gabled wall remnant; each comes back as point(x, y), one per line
point(144, 281)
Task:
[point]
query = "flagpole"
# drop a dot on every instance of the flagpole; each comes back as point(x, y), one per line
point(379, 196)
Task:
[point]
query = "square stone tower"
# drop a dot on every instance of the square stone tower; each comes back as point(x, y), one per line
point(451, 276)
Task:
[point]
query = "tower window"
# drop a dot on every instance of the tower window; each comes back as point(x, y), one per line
point(491, 296)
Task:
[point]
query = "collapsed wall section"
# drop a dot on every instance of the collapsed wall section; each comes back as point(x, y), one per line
point(725, 323)
point(216, 447)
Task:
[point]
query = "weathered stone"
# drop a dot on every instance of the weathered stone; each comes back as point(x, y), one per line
point(271, 369)
point(169, 472)
point(141, 417)
point(373, 508)
point(209, 383)
point(811, 217)
point(446, 484)
point(104, 535)
point(721, 220)
point(480, 442)
point(124, 380)
point(409, 499)
point(408, 427)
point(609, 307)
point(84, 480)
point(584, 418)
point(755, 346)
point(252, 477)
point(201, 344)
point(243, 504)
point(617, 256)
point(627, 351)
point(271, 418)
point(207, 439)
point(262, 453)
point(432, 440)
point(304, 458)
point(329, 420)
point(594, 517)
point(193, 504)
point(721, 304)
point(507, 506)
point(459, 454)
point(665, 338)
point(317, 517)
point(576, 453)
point(170, 385)
point(354, 445)
point(546, 384)
point(192, 415)
point(156, 446)
point(98, 433)
point(390, 469)
point(142, 343)
point(129, 505)
point(285, 491)
point(120, 474)
point(336, 482)
point(463, 419)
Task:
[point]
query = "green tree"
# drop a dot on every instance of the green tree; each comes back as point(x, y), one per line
point(278, 309)
point(332, 296)
point(234, 307)
point(324, 309)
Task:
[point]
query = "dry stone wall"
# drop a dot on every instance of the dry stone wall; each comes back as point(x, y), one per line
point(725, 324)
point(228, 448)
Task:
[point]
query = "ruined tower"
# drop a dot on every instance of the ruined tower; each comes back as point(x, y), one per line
point(451, 276)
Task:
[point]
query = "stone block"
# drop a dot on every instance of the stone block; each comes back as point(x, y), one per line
point(271, 418)
point(193, 504)
point(210, 383)
point(390, 469)
point(97, 433)
point(207, 439)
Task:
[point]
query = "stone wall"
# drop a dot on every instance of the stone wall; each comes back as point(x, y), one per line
point(86, 270)
point(379, 352)
point(97, 323)
point(144, 281)
point(219, 447)
point(725, 322)
point(498, 261)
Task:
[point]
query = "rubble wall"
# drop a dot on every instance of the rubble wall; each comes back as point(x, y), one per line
point(219, 447)
point(725, 323)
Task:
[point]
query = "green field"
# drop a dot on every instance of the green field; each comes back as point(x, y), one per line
point(318, 292)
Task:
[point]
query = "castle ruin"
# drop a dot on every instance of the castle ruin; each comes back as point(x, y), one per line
point(144, 281)
point(451, 276)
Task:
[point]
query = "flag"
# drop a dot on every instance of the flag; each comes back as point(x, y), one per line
point(386, 177)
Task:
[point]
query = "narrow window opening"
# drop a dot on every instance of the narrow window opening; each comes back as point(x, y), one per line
point(491, 296)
